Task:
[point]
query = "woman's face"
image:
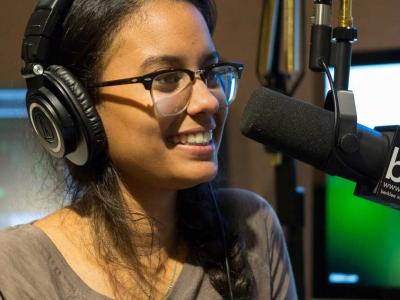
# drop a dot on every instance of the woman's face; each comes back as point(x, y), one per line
point(149, 150)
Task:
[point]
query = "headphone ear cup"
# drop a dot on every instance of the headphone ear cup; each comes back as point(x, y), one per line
point(92, 139)
point(51, 122)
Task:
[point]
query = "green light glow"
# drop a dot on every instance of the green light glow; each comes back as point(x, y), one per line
point(362, 236)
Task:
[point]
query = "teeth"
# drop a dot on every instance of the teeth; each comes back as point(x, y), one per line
point(183, 138)
point(191, 139)
point(200, 138)
point(208, 136)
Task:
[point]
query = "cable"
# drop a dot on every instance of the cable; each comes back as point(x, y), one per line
point(223, 236)
point(335, 100)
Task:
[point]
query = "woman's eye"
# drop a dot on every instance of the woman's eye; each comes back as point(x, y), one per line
point(169, 78)
point(170, 82)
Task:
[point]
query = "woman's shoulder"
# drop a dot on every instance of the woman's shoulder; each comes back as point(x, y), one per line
point(21, 247)
point(19, 242)
point(259, 226)
point(250, 214)
point(23, 257)
point(243, 203)
point(31, 267)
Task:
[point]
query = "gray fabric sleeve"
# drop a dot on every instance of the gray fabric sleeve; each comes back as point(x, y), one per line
point(282, 280)
point(266, 245)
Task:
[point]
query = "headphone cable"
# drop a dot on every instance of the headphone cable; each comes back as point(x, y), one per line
point(223, 236)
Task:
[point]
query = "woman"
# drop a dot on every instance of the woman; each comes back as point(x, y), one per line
point(143, 222)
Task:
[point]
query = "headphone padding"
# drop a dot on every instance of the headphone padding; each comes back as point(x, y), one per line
point(83, 105)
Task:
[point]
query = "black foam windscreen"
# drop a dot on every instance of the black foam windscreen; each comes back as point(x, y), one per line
point(299, 129)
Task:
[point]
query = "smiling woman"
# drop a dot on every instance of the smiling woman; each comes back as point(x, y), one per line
point(133, 95)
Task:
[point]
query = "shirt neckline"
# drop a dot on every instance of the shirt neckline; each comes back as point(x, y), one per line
point(76, 279)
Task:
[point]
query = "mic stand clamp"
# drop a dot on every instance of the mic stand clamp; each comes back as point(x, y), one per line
point(346, 127)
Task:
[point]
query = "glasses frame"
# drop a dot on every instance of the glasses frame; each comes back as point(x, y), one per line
point(147, 79)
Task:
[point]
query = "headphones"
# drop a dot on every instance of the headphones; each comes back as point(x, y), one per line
point(60, 110)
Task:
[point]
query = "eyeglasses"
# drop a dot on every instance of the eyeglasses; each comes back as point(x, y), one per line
point(171, 89)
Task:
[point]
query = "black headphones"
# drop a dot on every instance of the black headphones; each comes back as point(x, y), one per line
point(59, 109)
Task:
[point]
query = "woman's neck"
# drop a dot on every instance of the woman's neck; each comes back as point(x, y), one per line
point(153, 213)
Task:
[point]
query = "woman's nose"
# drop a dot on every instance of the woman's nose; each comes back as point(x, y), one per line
point(202, 100)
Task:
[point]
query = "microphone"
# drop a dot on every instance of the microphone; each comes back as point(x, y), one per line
point(306, 132)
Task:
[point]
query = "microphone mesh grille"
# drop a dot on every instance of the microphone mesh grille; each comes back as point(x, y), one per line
point(296, 128)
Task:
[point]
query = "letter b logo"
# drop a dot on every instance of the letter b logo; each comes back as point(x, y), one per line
point(392, 165)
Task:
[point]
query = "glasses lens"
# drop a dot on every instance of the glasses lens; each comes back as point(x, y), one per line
point(222, 81)
point(171, 92)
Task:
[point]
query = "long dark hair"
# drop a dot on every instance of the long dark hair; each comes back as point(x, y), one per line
point(94, 190)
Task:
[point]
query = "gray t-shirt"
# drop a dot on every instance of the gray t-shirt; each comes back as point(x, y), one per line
point(31, 267)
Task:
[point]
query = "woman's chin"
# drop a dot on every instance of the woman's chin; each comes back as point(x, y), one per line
point(197, 175)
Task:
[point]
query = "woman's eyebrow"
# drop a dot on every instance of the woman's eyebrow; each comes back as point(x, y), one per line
point(175, 60)
point(163, 59)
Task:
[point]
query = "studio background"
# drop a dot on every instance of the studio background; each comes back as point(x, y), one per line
point(236, 38)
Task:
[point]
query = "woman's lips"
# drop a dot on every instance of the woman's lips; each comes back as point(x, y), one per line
point(197, 144)
point(198, 150)
point(201, 138)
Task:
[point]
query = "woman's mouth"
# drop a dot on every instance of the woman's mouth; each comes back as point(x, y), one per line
point(198, 145)
point(195, 139)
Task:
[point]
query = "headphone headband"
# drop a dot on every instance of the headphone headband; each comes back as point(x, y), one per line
point(41, 29)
